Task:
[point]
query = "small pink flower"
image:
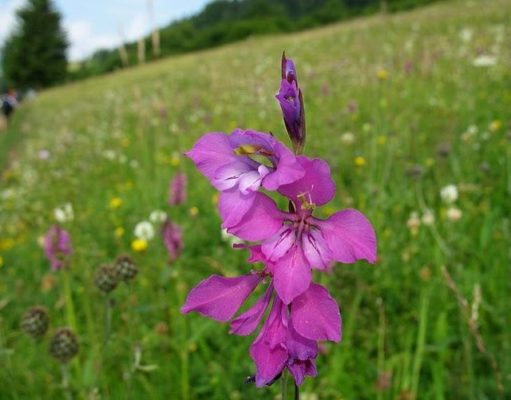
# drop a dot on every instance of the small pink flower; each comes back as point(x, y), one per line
point(173, 239)
point(177, 189)
point(57, 246)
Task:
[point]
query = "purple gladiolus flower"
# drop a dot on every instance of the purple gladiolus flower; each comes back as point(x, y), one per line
point(57, 246)
point(172, 239)
point(294, 242)
point(177, 189)
point(290, 99)
point(241, 163)
point(288, 338)
point(289, 243)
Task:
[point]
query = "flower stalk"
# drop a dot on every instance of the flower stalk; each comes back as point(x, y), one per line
point(289, 244)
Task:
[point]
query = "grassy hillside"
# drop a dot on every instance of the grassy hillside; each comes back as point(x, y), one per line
point(400, 106)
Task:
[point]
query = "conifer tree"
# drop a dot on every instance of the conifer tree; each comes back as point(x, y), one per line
point(34, 56)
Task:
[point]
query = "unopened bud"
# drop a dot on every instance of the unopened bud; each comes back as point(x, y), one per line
point(35, 322)
point(64, 345)
point(291, 102)
point(106, 279)
point(125, 268)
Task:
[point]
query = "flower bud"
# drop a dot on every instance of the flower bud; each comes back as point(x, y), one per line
point(35, 322)
point(64, 345)
point(106, 279)
point(291, 102)
point(125, 268)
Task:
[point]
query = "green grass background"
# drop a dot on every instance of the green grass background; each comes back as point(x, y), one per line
point(122, 135)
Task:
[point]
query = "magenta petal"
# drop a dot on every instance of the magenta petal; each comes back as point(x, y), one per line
point(316, 250)
point(288, 169)
point(350, 236)
point(291, 275)
point(233, 205)
point(315, 315)
point(301, 369)
point(268, 350)
point(262, 221)
point(211, 152)
point(269, 362)
point(299, 347)
point(227, 176)
point(316, 187)
point(275, 247)
point(247, 322)
point(219, 297)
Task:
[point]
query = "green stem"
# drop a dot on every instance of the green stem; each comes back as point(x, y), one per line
point(107, 329)
point(70, 309)
point(284, 385)
point(64, 370)
point(297, 392)
point(185, 379)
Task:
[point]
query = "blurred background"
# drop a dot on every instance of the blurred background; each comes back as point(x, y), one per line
point(408, 100)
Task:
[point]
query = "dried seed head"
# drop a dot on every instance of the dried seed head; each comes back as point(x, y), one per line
point(106, 279)
point(64, 345)
point(35, 322)
point(125, 268)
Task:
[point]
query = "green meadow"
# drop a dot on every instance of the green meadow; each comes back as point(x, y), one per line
point(401, 106)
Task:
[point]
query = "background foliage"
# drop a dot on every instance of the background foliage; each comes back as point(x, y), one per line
point(400, 106)
point(225, 21)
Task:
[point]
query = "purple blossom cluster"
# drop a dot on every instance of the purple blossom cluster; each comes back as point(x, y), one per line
point(244, 167)
point(57, 246)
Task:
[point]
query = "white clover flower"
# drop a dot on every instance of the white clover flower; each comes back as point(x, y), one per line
point(428, 218)
point(347, 138)
point(454, 214)
point(231, 239)
point(413, 222)
point(64, 213)
point(8, 194)
point(157, 216)
point(109, 154)
point(144, 230)
point(484, 61)
point(449, 193)
point(466, 35)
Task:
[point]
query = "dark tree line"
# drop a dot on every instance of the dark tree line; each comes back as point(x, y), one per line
point(225, 21)
point(35, 54)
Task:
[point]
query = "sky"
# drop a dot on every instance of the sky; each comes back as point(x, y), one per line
point(95, 24)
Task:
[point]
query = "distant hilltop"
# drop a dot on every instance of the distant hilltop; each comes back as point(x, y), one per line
point(226, 21)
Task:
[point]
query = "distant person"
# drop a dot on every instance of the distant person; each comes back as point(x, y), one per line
point(9, 103)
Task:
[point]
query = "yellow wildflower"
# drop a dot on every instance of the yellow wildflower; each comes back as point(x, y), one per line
point(175, 159)
point(495, 125)
point(360, 161)
point(139, 245)
point(6, 244)
point(194, 211)
point(125, 142)
point(382, 139)
point(119, 232)
point(382, 74)
point(115, 202)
